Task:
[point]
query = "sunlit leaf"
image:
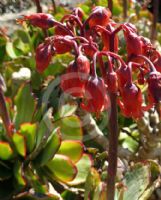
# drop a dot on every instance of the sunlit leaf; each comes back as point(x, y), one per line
point(62, 168)
point(70, 128)
point(6, 152)
point(29, 131)
point(83, 165)
point(72, 149)
point(20, 143)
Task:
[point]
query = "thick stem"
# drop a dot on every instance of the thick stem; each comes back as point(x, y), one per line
point(113, 140)
point(113, 148)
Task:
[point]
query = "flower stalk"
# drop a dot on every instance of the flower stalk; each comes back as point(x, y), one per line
point(113, 139)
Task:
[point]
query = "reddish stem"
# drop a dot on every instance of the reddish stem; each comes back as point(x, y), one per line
point(113, 139)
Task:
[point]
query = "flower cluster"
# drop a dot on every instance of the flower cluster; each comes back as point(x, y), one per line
point(94, 42)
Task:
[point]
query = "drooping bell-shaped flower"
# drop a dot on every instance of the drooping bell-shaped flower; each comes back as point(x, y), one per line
point(134, 44)
point(96, 99)
point(112, 81)
point(41, 20)
point(83, 65)
point(124, 75)
point(62, 45)
point(154, 87)
point(70, 81)
point(106, 39)
point(99, 16)
point(43, 56)
point(131, 101)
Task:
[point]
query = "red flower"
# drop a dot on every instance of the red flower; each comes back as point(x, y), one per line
point(111, 81)
point(61, 45)
point(96, 99)
point(43, 56)
point(71, 83)
point(131, 104)
point(88, 50)
point(60, 31)
point(124, 75)
point(83, 65)
point(106, 39)
point(99, 16)
point(40, 20)
point(154, 87)
point(134, 44)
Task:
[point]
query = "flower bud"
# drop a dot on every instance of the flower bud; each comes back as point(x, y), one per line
point(40, 20)
point(43, 56)
point(99, 16)
point(61, 46)
point(131, 104)
point(83, 65)
point(154, 87)
point(111, 81)
point(71, 83)
point(96, 99)
point(106, 39)
point(124, 75)
point(133, 43)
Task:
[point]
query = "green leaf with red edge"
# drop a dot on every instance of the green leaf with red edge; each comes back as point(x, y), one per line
point(45, 127)
point(83, 165)
point(71, 128)
point(25, 104)
point(20, 181)
point(20, 143)
point(72, 149)
point(6, 152)
point(62, 168)
point(29, 131)
point(50, 149)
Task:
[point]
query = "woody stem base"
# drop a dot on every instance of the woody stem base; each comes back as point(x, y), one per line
point(113, 148)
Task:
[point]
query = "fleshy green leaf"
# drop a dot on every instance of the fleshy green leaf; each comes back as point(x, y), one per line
point(72, 149)
point(20, 181)
point(83, 165)
point(25, 104)
point(29, 131)
point(62, 168)
point(50, 149)
point(11, 50)
point(44, 127)
point(20, 144)
point(6, 152)
point(70, 128)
